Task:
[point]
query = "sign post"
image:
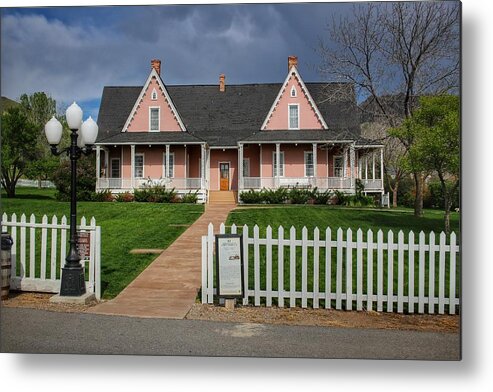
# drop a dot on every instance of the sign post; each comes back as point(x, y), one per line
point(229, 267)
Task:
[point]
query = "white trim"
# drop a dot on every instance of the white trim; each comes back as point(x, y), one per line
point(297, 105)
point(158, 118)
point(111, 168)
point(219, 176)
point(154, 94)
point(293, 89)
point(152, 75)
point(334, 166)
point(171, 154)
point(143, 164)
point(281, 153)
point(294, 71)
point(305, 153)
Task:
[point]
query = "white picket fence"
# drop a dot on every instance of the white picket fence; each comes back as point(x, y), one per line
point(358, 271)
point(34, 268)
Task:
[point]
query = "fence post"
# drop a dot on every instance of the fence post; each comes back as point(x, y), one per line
point(431, 280)
point(316, 264)
point(245, 264)
point(369, 279)
point(359, 270)
point(280, 266)
point(256, 264)
point(339, 270)
point(268, 266)
point(97, 266)
point(32, 248)
point(292, 267)
point(400, 272)
point(453, 250)
point(390, 271)
point(210, 265)
point(328, 267)
point(410, 287)
point(349, 270)
point(204, 269)
point(304, 266)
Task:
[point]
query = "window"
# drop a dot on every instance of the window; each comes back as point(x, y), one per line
point(274, 166)
point(115, 168)
point(293, 117)
point(154, 95)
point(139, 166)
point(338, 166)
point(293, 91)
point(154, 119)
point(246, 167)
point(171, 168)
point(309, 172)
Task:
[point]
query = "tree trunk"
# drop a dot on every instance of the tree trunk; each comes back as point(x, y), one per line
point(418, 201)
point(10, 189)
point(394, 195)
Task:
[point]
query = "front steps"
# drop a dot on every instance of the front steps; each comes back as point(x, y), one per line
point(223, 197)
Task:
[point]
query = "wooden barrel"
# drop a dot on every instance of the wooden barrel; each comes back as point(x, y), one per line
point(5, 268)
point(5, 265)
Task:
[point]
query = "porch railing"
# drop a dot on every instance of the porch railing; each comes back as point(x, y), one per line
point(129, 184)
point(320, 182)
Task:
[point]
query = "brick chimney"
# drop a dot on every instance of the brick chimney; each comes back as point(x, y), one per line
point(156, 64)
point(222, 86)
point(292, 60)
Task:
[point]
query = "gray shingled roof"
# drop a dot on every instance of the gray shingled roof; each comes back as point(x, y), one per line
point(224, 118)
point(152, 138)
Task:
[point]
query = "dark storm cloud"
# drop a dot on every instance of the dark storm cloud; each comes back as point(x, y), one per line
point(74, 52)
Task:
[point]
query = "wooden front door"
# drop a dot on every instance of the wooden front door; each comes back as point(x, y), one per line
point(224, 176)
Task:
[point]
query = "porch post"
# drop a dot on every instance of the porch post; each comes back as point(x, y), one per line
point(315, 160)
point(373, 164)
point(98, 165)
point(351, 160)
point(106, 162)
point(132, 165)
point(202, 166)
point(240, 166)
point(366, 166)
point(278, 164)
point(260, 168)
point(381, 164)
point(166, 165)
point(186, 164)
point(344, 173)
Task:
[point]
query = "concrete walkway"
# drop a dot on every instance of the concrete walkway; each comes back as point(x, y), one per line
point(169, 286)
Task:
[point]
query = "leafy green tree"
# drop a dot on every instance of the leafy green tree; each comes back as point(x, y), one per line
point(434, 134)
point(19, 147)
point(39, 108)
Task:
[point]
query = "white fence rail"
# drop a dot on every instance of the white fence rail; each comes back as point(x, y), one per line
point(39, 251)
point(363, 273)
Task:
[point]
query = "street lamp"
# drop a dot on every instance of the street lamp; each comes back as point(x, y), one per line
point(73, 282)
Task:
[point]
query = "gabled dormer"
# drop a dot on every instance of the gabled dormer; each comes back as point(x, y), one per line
point(154, 110)
point(293, 108)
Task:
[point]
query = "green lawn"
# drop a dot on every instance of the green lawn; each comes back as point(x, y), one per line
point(124, 226)
point(335, 217)
point(345, 217)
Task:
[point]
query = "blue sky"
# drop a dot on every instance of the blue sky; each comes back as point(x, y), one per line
point(73, 52)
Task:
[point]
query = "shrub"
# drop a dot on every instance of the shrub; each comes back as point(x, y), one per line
point(251, 197)
point(322, 197)
point(434, 197)
point(104, 195)
point(340, 198)
point(300, 196)
point(275, 196)
point(125, 197)
point(190, 198)
point(142, 195)
point(86, 179)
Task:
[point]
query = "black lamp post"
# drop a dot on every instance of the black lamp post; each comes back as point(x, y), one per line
point(73, 282)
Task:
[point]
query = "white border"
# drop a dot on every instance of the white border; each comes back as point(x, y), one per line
point(142, 154)
point(289, 116)
point(164, 164)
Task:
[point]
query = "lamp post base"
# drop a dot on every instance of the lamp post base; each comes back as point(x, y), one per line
point(73, 282)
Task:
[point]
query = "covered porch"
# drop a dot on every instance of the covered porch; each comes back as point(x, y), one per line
point(326, 165)
point(125, 167)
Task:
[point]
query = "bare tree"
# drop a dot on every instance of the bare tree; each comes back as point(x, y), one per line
point(400, 50)
point(394, 152)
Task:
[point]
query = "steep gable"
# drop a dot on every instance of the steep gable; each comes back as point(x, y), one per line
point(153, 96)
point(294, 92)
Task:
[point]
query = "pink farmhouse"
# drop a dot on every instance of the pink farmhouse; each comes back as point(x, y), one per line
point(222, 138)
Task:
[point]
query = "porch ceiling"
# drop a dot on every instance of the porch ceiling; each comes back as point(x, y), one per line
point(282, 136)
